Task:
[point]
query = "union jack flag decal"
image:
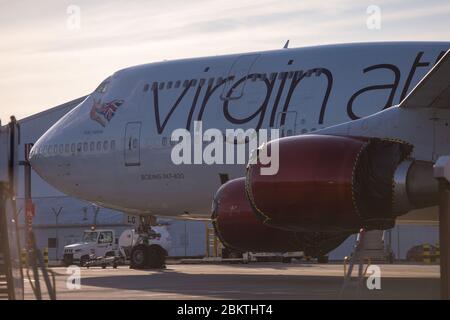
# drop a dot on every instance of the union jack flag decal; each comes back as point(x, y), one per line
point(104, 111)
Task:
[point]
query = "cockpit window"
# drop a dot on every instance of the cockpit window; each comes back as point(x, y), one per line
point(103, 87)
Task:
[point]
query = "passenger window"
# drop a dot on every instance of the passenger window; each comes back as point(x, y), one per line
point(92, 146)
point(67, 148)
point(72, 148)
point(99, 146)
point(154, 86)
point(61, 148)
point(186, 83)
point(105, 145)
point(177, 84)
point(202, 82)
point(193, 82)
point(85, 147)
point(169, 85)
point(273, 76)
point(211, 81)
point(161, 86)
point(79, 147)
point(55, 149)
point(113, 145)
point(164, 141)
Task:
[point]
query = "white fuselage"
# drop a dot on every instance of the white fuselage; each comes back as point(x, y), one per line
point(114, 149)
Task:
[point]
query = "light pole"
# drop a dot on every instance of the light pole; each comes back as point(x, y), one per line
point(85, 209)
point(96, 210)
point(442, 174)
point(57, 213)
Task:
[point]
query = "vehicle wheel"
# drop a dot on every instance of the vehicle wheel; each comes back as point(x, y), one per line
point(68, 260)
point(103, 266)
point(322, 259)
point(84, 260)
point(156, 257)
point(286, 260)
point(139, 257)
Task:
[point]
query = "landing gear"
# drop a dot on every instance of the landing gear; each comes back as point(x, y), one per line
point(139, 257)
point(145, 255)
point(156, 257)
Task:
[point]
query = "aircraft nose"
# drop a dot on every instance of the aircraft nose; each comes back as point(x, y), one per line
point(38, 159)
point(48, 161)
point(32, 157)
point(60, 155)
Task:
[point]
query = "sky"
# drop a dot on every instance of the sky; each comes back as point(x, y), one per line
point(53, 51)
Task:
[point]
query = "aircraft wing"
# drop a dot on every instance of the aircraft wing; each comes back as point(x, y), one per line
point(433, 91)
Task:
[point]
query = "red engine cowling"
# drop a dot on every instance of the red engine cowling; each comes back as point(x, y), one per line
point(327, 183)
point(239, 228)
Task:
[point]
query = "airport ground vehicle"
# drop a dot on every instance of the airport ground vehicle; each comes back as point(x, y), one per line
point(95, 243)
point(103, 244)
point(422, 252)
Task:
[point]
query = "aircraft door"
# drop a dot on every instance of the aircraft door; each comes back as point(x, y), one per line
point(287, 123)
point(133, 144)
point(240, 69)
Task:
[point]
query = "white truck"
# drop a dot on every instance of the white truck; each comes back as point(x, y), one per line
point(102, 243)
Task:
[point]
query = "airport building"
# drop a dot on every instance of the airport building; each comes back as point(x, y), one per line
point(60, 220)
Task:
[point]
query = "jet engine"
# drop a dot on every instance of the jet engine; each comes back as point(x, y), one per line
point(240, 229)
point(338, 184)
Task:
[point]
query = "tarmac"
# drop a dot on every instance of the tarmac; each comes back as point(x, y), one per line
point(259, 281)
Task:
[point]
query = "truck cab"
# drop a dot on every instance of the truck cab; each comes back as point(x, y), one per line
point(94, 244)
